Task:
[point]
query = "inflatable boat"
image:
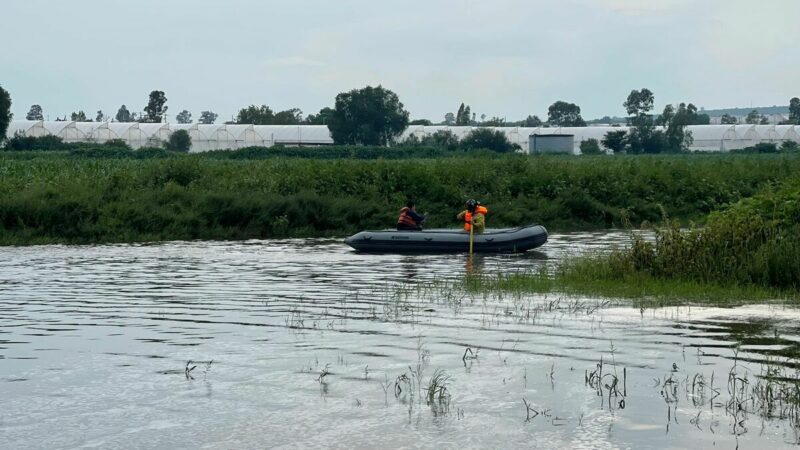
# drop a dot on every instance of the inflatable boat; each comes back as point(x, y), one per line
point(505, 240)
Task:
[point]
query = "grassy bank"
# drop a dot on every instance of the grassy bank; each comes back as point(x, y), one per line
point(592, 277)
point(747, 251)
point(79, 197)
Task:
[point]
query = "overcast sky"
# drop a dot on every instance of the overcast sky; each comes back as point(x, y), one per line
point(503, 57)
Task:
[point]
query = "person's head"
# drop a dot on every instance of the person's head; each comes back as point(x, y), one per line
point(410, 204)
point(471, 205)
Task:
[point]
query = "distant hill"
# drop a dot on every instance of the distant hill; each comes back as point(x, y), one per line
point(738, 112)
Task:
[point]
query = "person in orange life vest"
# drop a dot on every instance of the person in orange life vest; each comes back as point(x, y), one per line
point(409, 220)
point(474, 214)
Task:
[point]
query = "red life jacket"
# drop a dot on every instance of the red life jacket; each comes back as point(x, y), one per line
point(480, 209)
point(406, 219)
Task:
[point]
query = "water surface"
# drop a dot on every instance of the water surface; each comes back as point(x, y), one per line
point(303, 343)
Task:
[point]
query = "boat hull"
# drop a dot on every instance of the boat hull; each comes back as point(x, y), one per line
point(507, 240)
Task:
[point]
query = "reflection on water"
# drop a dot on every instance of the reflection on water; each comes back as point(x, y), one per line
point(305, 343)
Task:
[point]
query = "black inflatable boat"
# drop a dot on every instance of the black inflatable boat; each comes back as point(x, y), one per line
point(506, 240)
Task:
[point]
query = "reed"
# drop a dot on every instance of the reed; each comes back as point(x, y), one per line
point(84, 198)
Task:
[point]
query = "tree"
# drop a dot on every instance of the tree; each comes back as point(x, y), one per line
point(5, 112)
point(565, 114)
point(35, 113)
point(79, 116)
point(423, 122)
point(615, 140)
point(702, 119)
point(485, 138)
point(179, 141)
point(460, 114)
point(156, 107)
point(728, 119)
point(794, 111)
point(256, 115)
point(532, 121)
point(123, 115)
point(449, 119)
point(676, 138)
point(493, 122)
point(184, 117)
point(100, 116)
point(591, 147)
point(764, 120)
point(639, 103)
point(321, 118)
point(444, 139)
point(463, 116)
point(207, 117)
point(291, 116)
point(753, 117)
point(369, 116)
point(643, 136)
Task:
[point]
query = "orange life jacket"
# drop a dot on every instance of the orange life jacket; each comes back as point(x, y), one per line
point(468, 216)
point(405, 218)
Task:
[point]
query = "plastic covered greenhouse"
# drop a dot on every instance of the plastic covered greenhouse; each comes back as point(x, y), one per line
point(711, 138)
point(204, 137)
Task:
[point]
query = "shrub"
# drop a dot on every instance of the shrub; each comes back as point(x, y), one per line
point(591, 147)
point(485, 138)
point(179, 141)
point(20, 142)
point(753, 242)
point(761, 147)
point(790, 146)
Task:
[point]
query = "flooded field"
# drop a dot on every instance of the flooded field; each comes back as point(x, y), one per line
point(302, 343)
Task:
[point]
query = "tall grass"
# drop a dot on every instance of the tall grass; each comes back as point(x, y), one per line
point(67, 198)
point(747, 251)
point(754, 242)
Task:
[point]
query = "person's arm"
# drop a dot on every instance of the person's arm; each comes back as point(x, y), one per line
point(461, 215)
point(419, 218)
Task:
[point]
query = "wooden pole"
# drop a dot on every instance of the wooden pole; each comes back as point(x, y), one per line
point(471, 230)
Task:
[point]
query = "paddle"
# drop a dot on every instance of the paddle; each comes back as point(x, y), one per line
point(471, 227)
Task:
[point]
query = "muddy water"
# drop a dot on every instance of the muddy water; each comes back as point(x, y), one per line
point(303, 343)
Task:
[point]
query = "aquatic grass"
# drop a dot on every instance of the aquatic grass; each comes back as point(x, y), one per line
point(437, 393)
point(591, 276)
point(747, 251)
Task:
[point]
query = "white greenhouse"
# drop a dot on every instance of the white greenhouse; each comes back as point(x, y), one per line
point(707, 138)
point(204, 137)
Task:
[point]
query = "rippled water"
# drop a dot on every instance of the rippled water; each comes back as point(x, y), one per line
point(301, 343)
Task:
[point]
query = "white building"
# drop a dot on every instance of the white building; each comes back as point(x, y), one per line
point(711, 138)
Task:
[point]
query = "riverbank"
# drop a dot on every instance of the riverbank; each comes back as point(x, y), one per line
point(591, 277)
point(748, 251)
point(65, 198)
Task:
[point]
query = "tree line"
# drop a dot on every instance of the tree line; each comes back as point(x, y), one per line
point(376, 116)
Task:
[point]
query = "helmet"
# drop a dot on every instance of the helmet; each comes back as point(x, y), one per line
point(472, 204)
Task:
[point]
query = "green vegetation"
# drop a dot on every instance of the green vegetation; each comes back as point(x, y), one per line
point(5, 113)
point(179, 141)
point(563, 114)
point(156, 107)
point(770, 147)
point(253, 193)
point(747, 251)
point(593, 276)
point(263, 115)
point(486, 138)
point(591, 147)
point(644, 137)
point(369, 116)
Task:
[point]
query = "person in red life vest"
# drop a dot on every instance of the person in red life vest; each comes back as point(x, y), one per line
point(474, 214)
point(409, 220)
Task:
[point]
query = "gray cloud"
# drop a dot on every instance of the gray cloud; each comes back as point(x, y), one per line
point(508, 58)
